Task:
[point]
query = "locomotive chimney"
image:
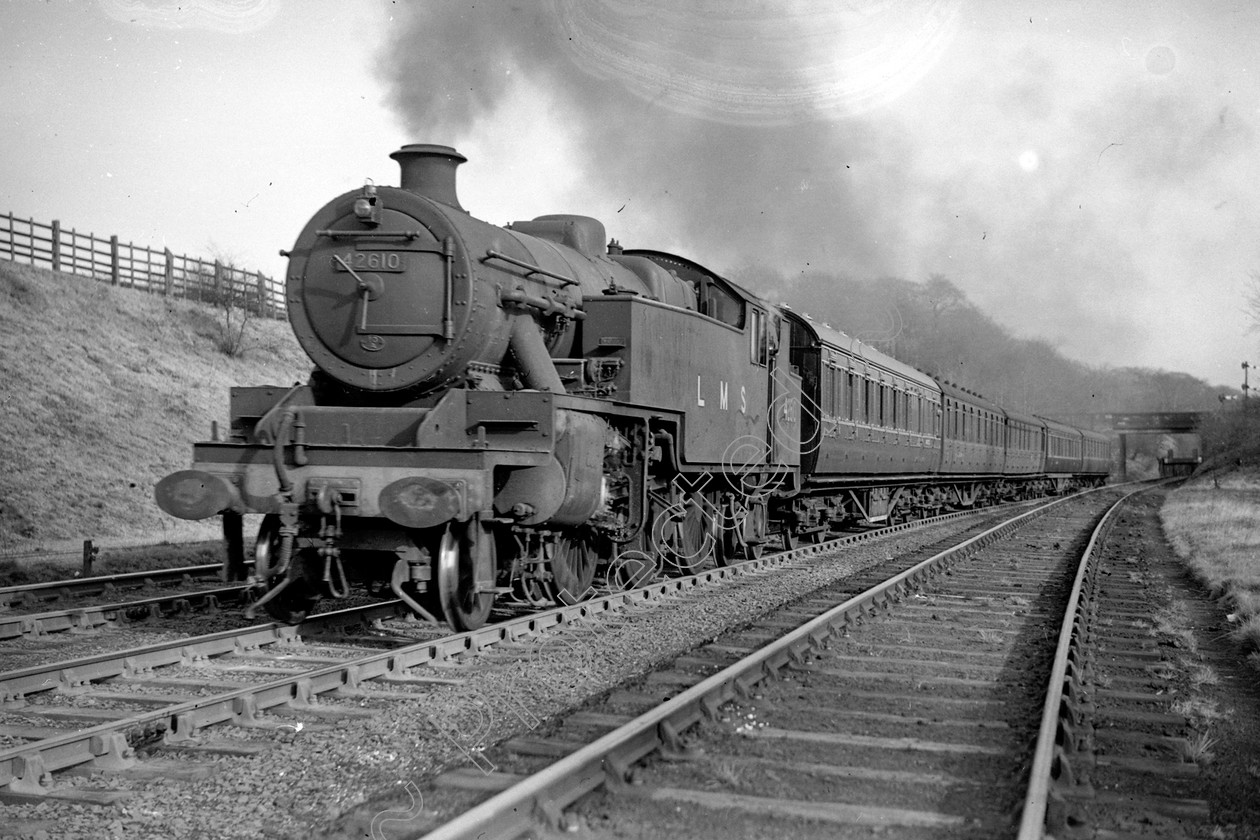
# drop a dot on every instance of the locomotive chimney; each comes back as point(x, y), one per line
point(429, 170)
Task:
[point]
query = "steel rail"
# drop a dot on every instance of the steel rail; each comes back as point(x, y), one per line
point(16, 684)
point(86, 618)
point(25, 768)
point(1041, 775)
point(513, 812)
point(11, 594)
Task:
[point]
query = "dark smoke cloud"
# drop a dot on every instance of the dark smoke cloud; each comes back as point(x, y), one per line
point(1071, 187)
point(733, 130)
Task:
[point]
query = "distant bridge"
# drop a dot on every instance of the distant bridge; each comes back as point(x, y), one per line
point(1147, 422)
point(1170, 422)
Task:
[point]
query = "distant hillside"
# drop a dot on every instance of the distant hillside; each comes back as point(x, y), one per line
point(933, 326)
point(103, 392)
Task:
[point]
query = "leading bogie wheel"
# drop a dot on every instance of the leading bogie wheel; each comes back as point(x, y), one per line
point(300, 594)
point(295, 603)
point(463, 607)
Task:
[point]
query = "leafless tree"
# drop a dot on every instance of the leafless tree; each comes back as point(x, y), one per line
point(235, 300)
point(1253, 300)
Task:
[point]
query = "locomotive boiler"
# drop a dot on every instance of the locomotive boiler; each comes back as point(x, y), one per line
point(496, 411)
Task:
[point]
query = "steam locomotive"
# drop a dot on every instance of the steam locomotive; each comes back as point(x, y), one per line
point(509, 411)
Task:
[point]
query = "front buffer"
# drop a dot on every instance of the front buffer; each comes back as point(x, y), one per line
point(413, 498)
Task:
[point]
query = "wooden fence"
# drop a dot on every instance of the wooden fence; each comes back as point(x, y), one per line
point(138, 267)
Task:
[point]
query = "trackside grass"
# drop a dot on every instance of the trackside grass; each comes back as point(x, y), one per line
point(102, 392)
point(1214, 524)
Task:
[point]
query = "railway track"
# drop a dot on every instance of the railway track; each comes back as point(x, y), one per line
point(31, 595)
point(910, 707)
point(170, 693)
point(1125, 738)
point(90, 617)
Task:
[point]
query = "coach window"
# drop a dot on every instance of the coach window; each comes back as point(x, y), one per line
point(833, 380)
point(827, 396)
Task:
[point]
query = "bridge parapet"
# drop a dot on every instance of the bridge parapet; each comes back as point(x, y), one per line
point(1172, 422)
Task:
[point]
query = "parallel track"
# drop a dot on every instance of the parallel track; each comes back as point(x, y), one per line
point(918, 721)
point(91, 617)
point(71, 588)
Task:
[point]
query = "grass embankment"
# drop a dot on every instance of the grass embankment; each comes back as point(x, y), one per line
point(103, 391)
point(1213, 522)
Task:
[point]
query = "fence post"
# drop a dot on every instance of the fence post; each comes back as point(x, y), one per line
point(170, 272)
point(218, 283)
point(89, 554)
point(56, 245)
point(264, 305)
point(113, 261)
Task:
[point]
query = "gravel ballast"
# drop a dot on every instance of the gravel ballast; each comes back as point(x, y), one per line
point(361, 755)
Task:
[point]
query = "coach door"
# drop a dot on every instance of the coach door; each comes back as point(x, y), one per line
point(783, 428)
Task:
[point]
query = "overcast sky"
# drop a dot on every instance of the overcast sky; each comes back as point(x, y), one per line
point(1087, 172)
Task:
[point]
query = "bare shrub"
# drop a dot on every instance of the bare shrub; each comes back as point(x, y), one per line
point(235, 300)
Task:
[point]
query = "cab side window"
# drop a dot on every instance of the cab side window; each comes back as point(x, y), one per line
point(720, 304)
point(758, 347)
